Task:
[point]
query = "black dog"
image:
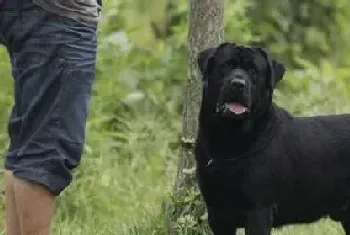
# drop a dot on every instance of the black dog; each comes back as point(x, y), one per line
point(259, 167)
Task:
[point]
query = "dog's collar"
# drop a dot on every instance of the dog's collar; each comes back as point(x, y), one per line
point(259, 146)
point(230, 161)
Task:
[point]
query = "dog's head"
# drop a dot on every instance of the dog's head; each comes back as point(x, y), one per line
point(238, 80)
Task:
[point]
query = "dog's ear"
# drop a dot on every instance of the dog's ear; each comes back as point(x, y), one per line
point(276, 69)
point(203, 60)
point(279, 70)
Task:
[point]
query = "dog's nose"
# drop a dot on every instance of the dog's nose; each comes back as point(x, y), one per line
point(238, 82)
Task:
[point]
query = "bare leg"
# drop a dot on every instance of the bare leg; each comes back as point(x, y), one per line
point(12, 222)
point(35, 207)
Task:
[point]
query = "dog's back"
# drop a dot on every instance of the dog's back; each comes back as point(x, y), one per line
point(317, 153)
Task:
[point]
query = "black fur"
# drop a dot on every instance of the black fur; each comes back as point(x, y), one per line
point(266, 168)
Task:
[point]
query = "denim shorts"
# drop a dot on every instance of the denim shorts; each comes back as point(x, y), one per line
point(53, 68)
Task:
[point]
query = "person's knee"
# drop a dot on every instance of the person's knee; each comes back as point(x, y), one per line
point(46, 161)
point(8, 173)
point(50, 166)
point(8, 186)
point(21, 183)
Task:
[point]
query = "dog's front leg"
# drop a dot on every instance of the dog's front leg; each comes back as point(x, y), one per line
point(259, 222)
point(221, 222)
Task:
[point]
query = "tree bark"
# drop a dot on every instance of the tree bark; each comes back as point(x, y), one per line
point(206, 29)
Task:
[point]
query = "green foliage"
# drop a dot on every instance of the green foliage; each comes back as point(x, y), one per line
point(131, 151)
point(300, 28)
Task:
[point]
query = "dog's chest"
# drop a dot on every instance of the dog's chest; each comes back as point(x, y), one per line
point(222, 183)
point(241, 184)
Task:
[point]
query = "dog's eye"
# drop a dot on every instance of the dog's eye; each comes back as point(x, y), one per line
point(225, 66)
point(252, 72)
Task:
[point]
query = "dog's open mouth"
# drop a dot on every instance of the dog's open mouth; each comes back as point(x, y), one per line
point(235, 109)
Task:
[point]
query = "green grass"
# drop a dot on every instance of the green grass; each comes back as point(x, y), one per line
point(122, 191)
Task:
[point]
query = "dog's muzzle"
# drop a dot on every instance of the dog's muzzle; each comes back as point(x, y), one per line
point(233, 101)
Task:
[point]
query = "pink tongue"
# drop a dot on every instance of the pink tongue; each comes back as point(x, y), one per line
point(236, 108)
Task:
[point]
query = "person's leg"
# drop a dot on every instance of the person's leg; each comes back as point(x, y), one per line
point(34, 202)
point(35, 205)
point(12, 220)
point(12, 225)
point(53, 61)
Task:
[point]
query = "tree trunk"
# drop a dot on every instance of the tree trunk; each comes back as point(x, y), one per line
point(206, 29)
